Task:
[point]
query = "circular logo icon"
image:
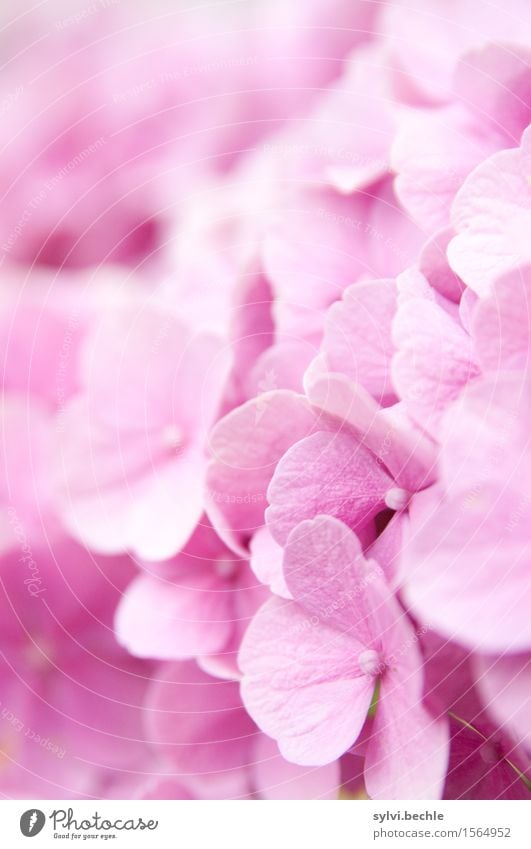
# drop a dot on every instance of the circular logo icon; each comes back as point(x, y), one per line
point(32, 822)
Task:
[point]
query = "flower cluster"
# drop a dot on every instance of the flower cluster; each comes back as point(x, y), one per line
point(265, 350)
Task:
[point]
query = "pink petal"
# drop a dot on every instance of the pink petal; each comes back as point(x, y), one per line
point(246, 446)
point(467, 305)
point(494, 82)
point(321, 242)
point(432, 154)
point(266, 562)
point(345, 141)
point(310, 251)
point(387, 547)
point(488, 423)
point(429, 36)
point(465, 568)
point(434, 360)
point(115, 496)
point(395, 441)
point(251, 328)
point(484, 463)
point(326, 473)
point(501, 323)
point(282, 366)
point(491, 217)
point(328, 575)
point(302, 684)
point(246, 596)
point(277, 778)
point(357, 340)
point(168, 620)
point(407, 756)
point(199, 725)
point(144, 370)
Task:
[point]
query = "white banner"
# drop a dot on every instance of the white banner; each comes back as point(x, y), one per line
point(265, 825)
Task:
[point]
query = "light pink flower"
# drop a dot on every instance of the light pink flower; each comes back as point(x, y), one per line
point(345, 141)
point(317, 242)
point(434, 356)
point(265, 325)
point(357, 339)
point(327, 472)
point(465, 561)
point(428, 37)
point(311, 666)
point(245, 447)
point(501, 323)
point(490, 214)
point(152, 102)
point(203, 734)
point(435, 149)
point(131, 454)
point(196, 606)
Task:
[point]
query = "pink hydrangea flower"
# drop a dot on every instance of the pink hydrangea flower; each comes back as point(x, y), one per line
point(489, 214)
point(465, 561)
point(142, 488)
point(428, 39)
point(203, 734)
point(93, 171)
point(264, 325)
point(435, 149)
point(196, 606)
point(311, 667)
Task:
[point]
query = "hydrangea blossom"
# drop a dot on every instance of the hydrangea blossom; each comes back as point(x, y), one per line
point(265, 343)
